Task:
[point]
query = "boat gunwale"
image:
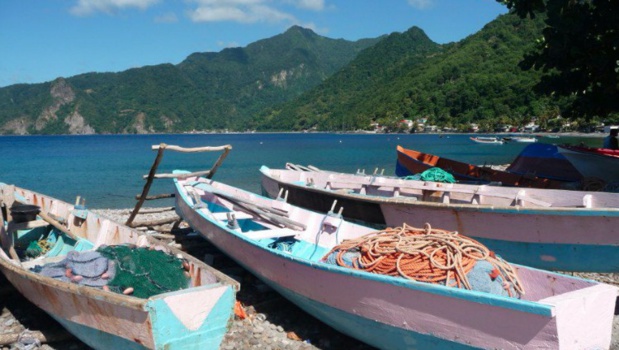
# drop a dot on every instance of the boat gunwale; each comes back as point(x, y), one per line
point(101, 295)
point(593, 212)
point(534, 307)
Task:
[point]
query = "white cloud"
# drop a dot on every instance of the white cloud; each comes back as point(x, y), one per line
point(314, 5)
point(87, 7)
point(169, 17)
point(250, 11)
point(421, 4)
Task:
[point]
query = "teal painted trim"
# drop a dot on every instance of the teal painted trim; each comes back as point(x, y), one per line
point(170, 334)
point(567, 257)
point(98, 339)
point(368, 331)
point(471, 296)
point(578, 212)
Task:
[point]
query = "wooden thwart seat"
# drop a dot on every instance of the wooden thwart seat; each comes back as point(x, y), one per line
point(221, 216)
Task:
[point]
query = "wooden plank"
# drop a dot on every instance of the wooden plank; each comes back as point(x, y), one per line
point(180, 176)
point(192, 149)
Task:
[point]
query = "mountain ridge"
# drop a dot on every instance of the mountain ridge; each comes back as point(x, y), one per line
point(207, 90)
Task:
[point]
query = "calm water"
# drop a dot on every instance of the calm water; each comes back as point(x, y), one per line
point(107, 170)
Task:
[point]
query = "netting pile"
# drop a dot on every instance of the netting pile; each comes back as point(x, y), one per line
point(429, 255)
point(434, 175)
point(84, 268)
point(148, 272)
point(140, 272)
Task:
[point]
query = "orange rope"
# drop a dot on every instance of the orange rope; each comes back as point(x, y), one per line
point(425, 255)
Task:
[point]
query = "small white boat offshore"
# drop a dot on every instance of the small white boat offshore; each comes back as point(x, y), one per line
point(490, 140)
point(551, 229)
point(524, 139)
point(107, 284)
point(302, 254)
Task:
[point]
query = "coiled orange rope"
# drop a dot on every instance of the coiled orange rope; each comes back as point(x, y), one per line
point(425, 255)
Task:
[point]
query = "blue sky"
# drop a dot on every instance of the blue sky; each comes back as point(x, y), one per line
point(41, 40)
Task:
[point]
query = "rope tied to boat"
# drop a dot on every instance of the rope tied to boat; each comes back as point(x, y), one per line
point(428, 255)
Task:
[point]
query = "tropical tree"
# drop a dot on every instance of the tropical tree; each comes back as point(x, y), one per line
point(578, 53)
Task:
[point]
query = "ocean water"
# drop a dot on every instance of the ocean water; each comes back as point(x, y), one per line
point(107, 170)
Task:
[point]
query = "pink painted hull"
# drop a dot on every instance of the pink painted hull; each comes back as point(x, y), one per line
point(551, 229)
point(113, 320)
point(412, 308)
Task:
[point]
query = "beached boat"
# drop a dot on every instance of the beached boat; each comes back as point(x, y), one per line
point(488, 140)
point(197, 316)
point(544, 160)
point(411, 162)
point(550, 229)
point(597, 163)
point(556, 311)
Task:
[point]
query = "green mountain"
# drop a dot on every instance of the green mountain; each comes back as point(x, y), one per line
point(221, 90)
point(406, 76)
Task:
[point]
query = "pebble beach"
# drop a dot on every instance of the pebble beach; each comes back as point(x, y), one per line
point(271, 322)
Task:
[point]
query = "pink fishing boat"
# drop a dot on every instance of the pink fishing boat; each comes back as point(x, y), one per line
point(551, 229)
point(285, 246)
point(194, 317)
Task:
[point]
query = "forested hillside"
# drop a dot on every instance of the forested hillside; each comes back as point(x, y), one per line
point(301, 81)
point(406, 76)
point(204, 92)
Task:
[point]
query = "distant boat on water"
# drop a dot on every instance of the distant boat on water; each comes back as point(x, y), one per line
point(525, 139)
point(491, 140)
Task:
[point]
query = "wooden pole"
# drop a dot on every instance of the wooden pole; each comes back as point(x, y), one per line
point(149, 181)
point(220, 160)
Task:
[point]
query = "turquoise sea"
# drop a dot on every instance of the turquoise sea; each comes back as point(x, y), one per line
point(107, 170)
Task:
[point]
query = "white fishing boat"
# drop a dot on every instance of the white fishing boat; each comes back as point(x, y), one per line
point(289, 248)
point(551, 229)
point(490, 140)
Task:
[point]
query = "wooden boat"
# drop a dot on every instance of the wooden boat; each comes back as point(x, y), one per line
point(196, 317)
point(550, 229)
point(556, 311)
point(411, 162)
point(544, 160)
point(597, 163)
point(488, 140)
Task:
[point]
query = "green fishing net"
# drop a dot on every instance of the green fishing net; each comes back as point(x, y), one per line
point(148, 272)
point(433, 174)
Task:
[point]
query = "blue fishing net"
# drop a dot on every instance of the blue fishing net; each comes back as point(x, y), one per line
point(90, 266)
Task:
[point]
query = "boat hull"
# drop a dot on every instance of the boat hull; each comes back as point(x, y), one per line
point(321, 201)
point(585, 241)
point(553, 237)
point(411, 162)
point(392, 313)
point(592, 164)
point(197, 317)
